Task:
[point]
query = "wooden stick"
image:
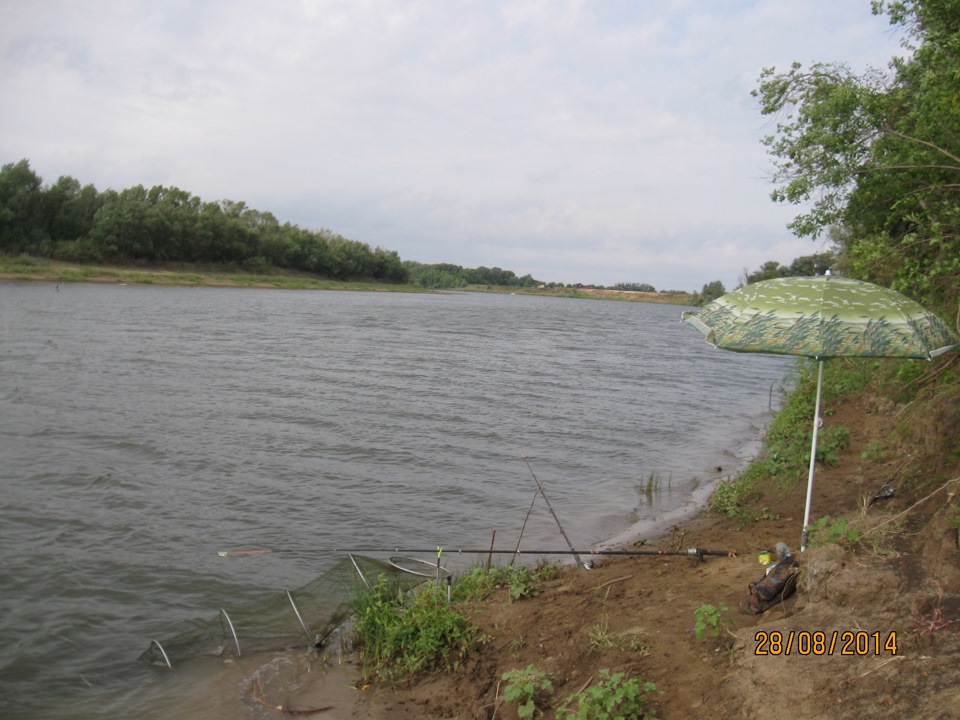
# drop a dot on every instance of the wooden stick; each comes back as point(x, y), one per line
point(918, 502)
point(615, 580)
point(885, 662)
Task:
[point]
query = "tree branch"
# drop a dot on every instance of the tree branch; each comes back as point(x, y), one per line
point(928, 144)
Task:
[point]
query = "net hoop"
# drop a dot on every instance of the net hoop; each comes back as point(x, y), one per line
point(421, 568)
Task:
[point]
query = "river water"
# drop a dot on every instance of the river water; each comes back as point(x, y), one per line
point(144, 429)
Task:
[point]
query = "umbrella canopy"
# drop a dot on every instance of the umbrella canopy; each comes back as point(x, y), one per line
point(822, 317)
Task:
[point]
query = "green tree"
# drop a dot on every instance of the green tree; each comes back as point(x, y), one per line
point(876, 156)
point(21, 224)
point(713, 290)
point(70, 212)
point(807, 266)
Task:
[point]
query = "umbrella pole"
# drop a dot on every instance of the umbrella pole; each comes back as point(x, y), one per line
point(813, 460)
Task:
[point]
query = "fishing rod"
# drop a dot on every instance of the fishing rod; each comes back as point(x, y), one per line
point(573, 552)
point(697, 552)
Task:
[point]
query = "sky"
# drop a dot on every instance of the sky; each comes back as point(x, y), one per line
point(592, 141)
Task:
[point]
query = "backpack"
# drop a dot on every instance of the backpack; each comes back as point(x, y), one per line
point(778, 584)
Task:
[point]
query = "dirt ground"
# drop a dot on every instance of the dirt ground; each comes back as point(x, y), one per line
point(896, 593)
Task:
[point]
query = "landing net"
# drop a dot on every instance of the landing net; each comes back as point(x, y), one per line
point(295, 618)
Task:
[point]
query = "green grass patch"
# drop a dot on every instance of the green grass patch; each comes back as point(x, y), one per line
point(785, 456)
point(25, 267)
point(402, 633)
point(399, 633)
point(521, 581)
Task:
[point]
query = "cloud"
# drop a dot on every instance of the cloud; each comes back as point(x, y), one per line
point(575, 141)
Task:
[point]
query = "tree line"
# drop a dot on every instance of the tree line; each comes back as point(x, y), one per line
point(448, 275)
point(76, 223)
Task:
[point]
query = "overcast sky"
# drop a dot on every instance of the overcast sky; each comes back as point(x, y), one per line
point(597, 141)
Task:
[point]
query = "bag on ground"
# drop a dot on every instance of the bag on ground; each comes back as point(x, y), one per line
point(779, 583)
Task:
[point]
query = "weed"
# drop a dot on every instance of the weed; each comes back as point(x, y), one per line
point(875, 451)
point(614, 696)
point(517, 644)
point(826, 531)
point(732, 497)
point(637, 642)
point(954, 517)
point(528, 688)
point(650, 487)
point(709, 618)
point(601, 638)
point(546, 570)
point(479, 582)
point(402, 633)
point(832, 440)
point(522, 587)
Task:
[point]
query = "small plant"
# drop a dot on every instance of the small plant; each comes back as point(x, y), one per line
point(826, 531)
point(875, 451)
point(521, 588)
point(614, 696)
point(528, 688)
point(516, 645)
point(601, 638)
point(833, 440)
point(954, 517)
point(637, 642)
point(546, 570)
point(732, 497)
point(709, 618)
point(650, 487)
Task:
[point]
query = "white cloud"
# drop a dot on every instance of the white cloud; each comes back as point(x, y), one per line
point(575, 141)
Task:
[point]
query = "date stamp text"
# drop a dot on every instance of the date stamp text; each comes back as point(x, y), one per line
point(852, 643)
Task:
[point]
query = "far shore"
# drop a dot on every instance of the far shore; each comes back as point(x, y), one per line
point(184, 275)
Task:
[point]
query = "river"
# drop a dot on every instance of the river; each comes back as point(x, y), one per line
point(145, 429)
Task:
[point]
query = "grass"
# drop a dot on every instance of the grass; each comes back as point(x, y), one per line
point(399, 634)
point(26, 267)
point(650, 488)
point(16, 267)
point(925, 394)
point(403, 633)
point(785, 456)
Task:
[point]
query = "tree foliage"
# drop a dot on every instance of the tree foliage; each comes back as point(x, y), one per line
point(71, 222)
point(875, 158)
point(806, 266)
point(447, 275)
point(635, 287)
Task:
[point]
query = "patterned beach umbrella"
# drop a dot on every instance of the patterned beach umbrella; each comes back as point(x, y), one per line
point(822, 317)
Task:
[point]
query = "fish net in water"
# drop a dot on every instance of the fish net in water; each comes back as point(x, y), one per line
point(295, 618)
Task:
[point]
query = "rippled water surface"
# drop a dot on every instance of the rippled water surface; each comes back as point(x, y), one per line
point(142, 430)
